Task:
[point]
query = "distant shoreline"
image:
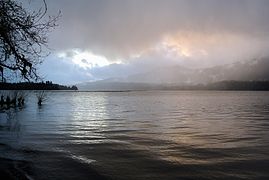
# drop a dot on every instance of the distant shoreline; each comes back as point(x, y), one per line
point(127, 87)
point(216, 86)
point(48, 85)
point(162, 90)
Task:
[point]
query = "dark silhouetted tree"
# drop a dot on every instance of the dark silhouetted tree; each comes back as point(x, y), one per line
point(23, 37)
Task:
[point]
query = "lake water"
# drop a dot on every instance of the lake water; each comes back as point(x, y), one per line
point(139, 135)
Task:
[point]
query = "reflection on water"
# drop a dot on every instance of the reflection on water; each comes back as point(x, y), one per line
point(153, 135)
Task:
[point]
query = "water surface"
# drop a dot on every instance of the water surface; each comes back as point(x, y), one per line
point(140, 135)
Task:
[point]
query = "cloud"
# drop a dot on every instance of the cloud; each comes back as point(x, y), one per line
point(103, 39)
point(120, 29)
point(63, 71)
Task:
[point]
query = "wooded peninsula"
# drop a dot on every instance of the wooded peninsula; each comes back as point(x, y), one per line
point(48, 85)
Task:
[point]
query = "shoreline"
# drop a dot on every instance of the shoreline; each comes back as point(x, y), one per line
point(42, 167)
point(9, 171)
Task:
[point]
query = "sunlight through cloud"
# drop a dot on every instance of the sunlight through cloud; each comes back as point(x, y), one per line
point(85, 59)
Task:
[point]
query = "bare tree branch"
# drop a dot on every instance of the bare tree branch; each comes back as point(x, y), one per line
point(23, 37)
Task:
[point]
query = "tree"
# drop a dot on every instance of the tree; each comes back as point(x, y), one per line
point(23, 37)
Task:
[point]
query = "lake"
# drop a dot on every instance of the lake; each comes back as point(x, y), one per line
point(138, 135)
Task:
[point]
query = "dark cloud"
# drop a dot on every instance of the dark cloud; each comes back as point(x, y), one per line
point(84, 61)
point(123, 27)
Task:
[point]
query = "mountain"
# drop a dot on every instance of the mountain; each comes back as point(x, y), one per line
point(240, 71)
point(106, 85)
point(253, 70)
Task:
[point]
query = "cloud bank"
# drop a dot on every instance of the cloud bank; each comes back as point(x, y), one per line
point(189, 32)
point(125, 27)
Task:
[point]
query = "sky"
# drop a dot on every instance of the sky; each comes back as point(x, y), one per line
point(101, 39)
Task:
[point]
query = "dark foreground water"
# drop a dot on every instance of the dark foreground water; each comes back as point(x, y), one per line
point(138, 135)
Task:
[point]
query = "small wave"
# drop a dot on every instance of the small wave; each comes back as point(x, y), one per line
point(82, 159)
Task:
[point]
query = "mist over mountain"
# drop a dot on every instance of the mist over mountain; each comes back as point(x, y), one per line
point(252, 70)
point(242, 71)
